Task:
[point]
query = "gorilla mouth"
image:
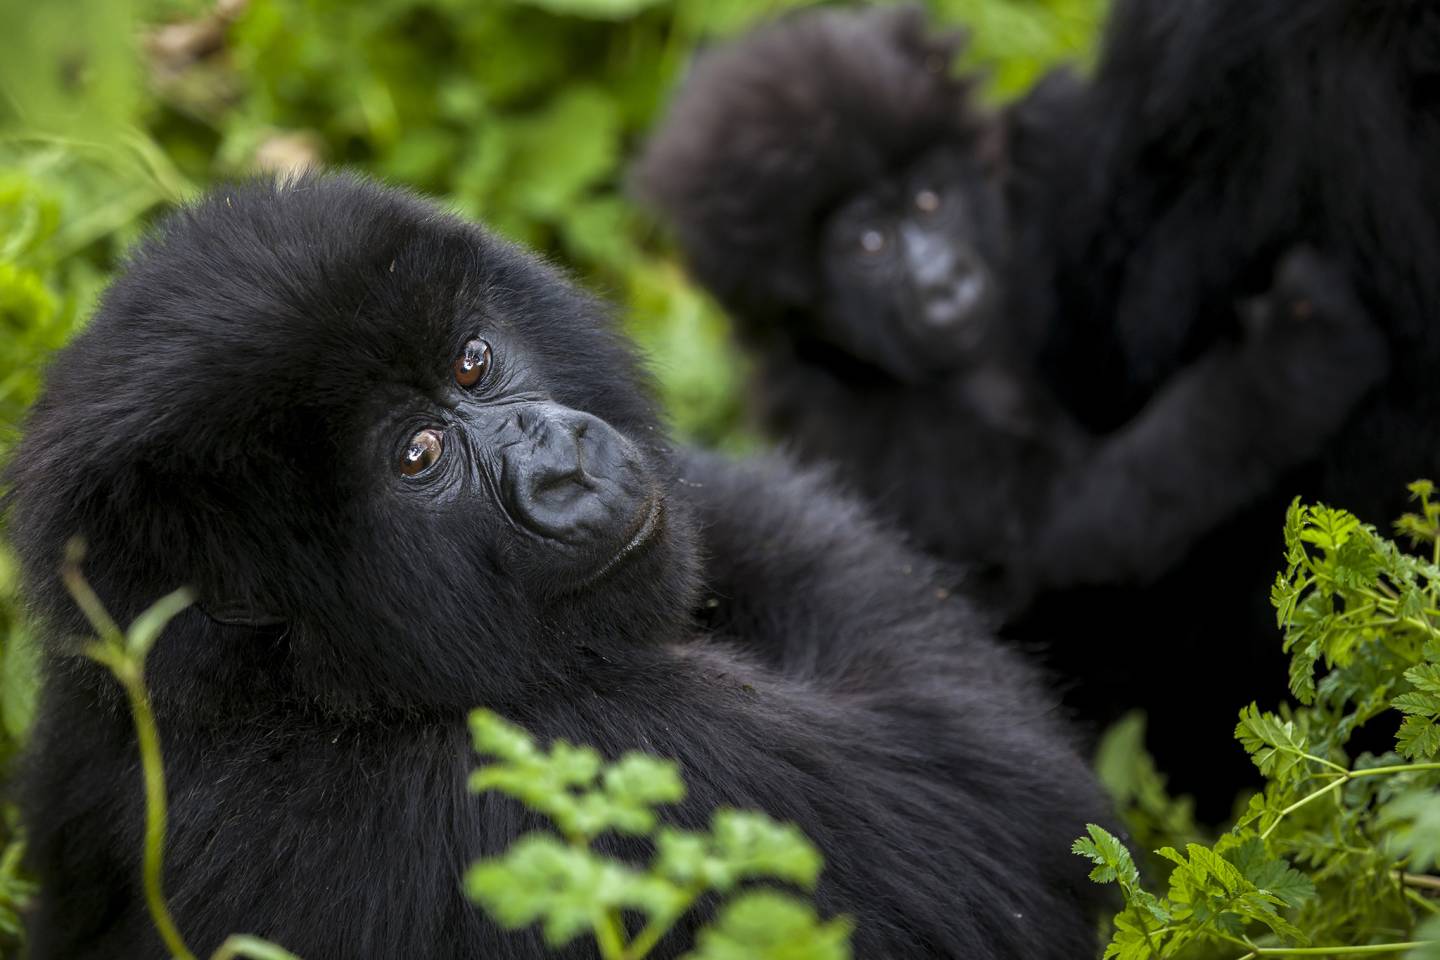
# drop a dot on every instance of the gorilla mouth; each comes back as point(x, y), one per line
point(652, 517)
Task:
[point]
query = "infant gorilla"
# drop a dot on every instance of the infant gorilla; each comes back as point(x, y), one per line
point(408, 470)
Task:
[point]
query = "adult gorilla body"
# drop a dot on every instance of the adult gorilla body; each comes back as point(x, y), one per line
point(1213, 136)
point(408, 471)
point(889, 250)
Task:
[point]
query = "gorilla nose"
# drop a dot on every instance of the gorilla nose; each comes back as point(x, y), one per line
point(570, 475)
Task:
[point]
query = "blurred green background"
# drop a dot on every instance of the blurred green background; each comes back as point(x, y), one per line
point(519, 112)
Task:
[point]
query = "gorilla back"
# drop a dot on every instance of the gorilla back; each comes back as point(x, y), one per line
point(409, 470)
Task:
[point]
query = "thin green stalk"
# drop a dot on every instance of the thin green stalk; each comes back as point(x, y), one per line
point(1395, 768)
point(1423, 880)
point(1313, 795)
point(658, 926)
point(156, 814)
point(1429, 906)
point(251, 947)
point(1345, 778)
point(1367, 949)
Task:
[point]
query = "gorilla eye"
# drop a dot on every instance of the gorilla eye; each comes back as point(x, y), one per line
point(927, 201)
point(872, 241)
point(472, 363)
point(422, 453)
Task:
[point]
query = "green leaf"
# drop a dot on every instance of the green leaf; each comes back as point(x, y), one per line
point(496, 737)
point(147, 627)
point(1418, 738)
point(572, 145)
point(1413, 819)
point(1274, 745)
point(765, 925)
point(1270, 874)
point(1429, 933)
point(569, 890)
point(1113, 862)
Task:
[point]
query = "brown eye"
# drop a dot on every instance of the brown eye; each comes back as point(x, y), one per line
point(927, 201)
point(872, 241)
point(423, 451)
point(472, 363)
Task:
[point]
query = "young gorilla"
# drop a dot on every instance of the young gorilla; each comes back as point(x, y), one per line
point(408, 470)
point(885, 249)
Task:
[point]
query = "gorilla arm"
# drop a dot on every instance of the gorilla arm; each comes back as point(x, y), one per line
point(1215, 437)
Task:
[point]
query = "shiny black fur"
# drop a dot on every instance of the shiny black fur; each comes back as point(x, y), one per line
point(229, 420)
point(978, 457)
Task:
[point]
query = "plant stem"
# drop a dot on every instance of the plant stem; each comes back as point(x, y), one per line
point(1338, 951)
point(155, 812)
point(252, 948)
point(1429, 906)
point(1345, 778)
point(1420, 880)
point(1313, 795)
point(658, 926)
point(1394, 768)
point(609, 937)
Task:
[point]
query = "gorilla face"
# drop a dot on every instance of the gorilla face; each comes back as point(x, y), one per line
point(911, 267)
point(364, 426)
point(562, 489)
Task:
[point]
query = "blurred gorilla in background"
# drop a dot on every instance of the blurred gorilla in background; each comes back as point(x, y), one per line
point(1213, 137)
point(409, 470)
point(885, 246)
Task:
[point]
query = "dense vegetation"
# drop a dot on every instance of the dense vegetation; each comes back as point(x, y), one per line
point(522, 112)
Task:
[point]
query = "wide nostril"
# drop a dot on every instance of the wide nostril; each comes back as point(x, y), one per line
point(559, 463)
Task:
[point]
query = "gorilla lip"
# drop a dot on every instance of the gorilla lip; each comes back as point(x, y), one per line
point(654, 513)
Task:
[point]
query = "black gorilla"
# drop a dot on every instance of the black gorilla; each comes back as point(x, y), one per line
point(409, 470)
point(1213, 136)
point(888, 249)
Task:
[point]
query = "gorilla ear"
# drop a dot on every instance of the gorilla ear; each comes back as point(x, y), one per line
point(233, 614)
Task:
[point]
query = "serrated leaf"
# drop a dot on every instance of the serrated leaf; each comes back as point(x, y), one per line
point(1273, 744)
point(1270, 874)
point(1418, 738)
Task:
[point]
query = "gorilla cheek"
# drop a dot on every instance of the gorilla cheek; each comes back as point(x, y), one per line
point(578, 488)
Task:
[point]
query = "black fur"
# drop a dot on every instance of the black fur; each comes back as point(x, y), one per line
point(1215, 135)
point(230, 420)
point(974, 454)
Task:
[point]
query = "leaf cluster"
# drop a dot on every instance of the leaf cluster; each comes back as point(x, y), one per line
point(566, 881)
point(1338, 854)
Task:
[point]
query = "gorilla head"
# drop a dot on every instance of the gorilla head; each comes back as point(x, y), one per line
point(853, 210)
point(413, 446)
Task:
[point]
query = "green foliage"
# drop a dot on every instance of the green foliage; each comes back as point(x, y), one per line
point(1124, 767)
point(1337, 855)
point(1017, 40)
point(571, 888)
